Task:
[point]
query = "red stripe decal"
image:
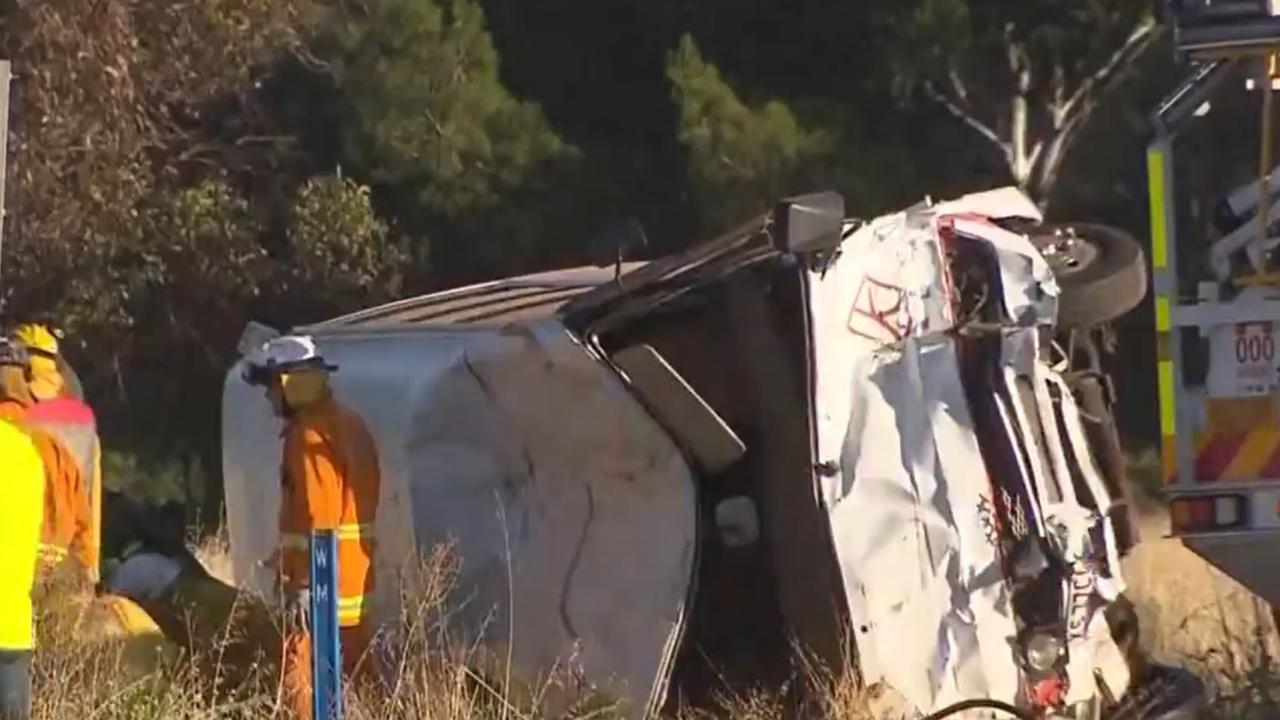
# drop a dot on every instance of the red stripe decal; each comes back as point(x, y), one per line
point(61, 410)
point(1217, 456)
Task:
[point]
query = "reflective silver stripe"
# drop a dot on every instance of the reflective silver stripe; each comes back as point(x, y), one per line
point(54, 550)
point(302, 541)
point(355, 531)
point(351, 607)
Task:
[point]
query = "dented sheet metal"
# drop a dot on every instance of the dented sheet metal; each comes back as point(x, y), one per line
point(1072, 525)
point(912, 506)
point(534, 463)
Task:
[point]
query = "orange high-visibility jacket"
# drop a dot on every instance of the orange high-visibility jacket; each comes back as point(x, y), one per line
point(66, 504)
point(331, 480)
point(12, 411)
point(72, 422)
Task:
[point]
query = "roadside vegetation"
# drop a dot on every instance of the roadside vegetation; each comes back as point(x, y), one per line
point(88, 668)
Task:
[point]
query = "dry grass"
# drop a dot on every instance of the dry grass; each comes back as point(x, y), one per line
point(1193, 614)
point(87, 668)
point(214, 553)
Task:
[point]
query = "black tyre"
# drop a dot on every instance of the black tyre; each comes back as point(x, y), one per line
point(1101, 271)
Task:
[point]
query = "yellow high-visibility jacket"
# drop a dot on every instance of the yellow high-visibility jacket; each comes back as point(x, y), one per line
point(21, 518)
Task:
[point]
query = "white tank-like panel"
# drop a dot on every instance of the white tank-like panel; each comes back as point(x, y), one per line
point(535, 462)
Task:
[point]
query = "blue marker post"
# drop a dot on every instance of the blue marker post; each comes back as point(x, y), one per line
point(326, 644)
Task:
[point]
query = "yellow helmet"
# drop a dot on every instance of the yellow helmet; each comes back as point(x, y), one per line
point(38, 338)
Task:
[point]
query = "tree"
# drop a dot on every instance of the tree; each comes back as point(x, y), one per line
point(424, 106)
point(137, 122)
point(340, 254)
point(1025, 75)
point(740, 158)
point(118, 109)
point(406, 97)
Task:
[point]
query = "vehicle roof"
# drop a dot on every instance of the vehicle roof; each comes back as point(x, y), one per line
point(498, 302)
point(579, 293)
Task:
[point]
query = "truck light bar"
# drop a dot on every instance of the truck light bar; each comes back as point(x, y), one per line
point(1208, 513)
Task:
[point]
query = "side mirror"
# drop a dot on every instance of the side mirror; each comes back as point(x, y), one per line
point(809, 223)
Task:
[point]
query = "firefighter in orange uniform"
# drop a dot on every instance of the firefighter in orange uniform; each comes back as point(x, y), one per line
point(59, 411)
point(330, 481)
point(66, 528)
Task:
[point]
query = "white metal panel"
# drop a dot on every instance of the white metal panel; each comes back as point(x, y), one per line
point(923, 583)
point(1242, 357)
point(910, 504)
point(1005, 202)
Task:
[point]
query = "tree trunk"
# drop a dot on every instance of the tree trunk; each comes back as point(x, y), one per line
point(1020, 165)
point(1020, 161)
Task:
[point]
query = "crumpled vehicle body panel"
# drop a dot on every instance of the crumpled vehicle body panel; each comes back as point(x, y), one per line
point(917, 514)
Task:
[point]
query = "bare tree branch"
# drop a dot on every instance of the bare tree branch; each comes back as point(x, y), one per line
point(1137, 41)
point(1059, 91)
point(1019, 120)
point(435, 122)
point(195, 151)
point(729, 163)
point(266, 140)
point(1046, 174)
point(968, 119)
point(958, 87)
point(1071, 117)
point(309, 60)
point(1037, 150)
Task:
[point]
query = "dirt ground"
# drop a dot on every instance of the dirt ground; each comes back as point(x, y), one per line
point(1193, 613)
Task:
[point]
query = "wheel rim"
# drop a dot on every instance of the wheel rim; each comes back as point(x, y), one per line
point(1066, 253)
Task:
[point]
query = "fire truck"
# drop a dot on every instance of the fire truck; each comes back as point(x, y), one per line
point(1217, 300)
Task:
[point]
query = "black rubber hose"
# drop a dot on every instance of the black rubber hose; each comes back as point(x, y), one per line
point(963, 705)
